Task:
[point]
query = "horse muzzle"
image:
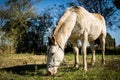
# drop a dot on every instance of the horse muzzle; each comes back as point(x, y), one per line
point(52, 71)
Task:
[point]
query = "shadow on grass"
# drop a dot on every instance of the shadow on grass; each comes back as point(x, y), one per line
point(32, 69)
point(113, 65)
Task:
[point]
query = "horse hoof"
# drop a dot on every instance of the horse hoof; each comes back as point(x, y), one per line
point(103, 63)
point(85, 69)
point(76, 66)
point(92, 64)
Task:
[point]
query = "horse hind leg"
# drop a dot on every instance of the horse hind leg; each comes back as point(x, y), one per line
point(84, 50)
point(102, 42)
point(93, 52)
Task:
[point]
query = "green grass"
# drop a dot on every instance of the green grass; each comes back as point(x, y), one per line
point(32, 67)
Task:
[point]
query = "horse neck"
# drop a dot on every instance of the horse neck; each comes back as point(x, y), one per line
point(64, 32)
point(61, 39)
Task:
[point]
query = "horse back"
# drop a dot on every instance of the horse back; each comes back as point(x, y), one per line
point(102, 20)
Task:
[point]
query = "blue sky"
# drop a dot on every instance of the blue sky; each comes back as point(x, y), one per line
point(48, 3)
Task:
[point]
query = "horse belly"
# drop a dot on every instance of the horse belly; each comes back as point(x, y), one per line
point(94, 33)
point(92, 37)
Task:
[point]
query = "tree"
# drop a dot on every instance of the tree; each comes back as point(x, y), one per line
point(33, 39)
point(110, 42)
point(15, 18)
point(117, 3)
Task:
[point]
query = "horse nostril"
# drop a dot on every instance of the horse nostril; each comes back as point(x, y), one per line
point(49, 73)
point(52, 54)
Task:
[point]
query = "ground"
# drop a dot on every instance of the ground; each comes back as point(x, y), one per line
point(33, 67)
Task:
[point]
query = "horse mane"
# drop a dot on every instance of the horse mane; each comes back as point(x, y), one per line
point(61, 20)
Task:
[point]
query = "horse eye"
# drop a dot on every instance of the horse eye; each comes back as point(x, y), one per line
point(52, 54)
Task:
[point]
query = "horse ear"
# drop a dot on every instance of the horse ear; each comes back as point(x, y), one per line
point(51, 40)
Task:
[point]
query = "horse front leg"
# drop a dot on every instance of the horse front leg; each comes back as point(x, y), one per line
point(76, 55)
point(84, 51)
point(93, 52)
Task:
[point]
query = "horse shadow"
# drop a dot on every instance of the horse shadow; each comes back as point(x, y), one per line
point(30, 69)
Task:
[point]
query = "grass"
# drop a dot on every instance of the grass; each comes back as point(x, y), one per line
point(33, 67)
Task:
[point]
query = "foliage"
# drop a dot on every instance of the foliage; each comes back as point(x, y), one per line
point(33, 39)
point(117, 3)
point(14, 18)
point(31, 42)
point(110, 41)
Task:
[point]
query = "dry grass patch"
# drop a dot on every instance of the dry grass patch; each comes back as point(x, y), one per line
point(8, 60)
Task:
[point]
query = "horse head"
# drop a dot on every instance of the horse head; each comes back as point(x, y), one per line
point(55, 56)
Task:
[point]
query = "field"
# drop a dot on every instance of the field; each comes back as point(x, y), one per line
point(33, 67)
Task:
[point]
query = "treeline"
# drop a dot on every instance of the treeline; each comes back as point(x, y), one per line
point(23, 30)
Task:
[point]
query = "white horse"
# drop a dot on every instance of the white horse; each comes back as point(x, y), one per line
point(76, 24)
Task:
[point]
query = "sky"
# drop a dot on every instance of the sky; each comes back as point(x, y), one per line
point(40, 6)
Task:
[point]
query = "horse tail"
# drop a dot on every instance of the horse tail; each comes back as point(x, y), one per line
point(62, 19)
point(103, 21)
point(104, 25)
